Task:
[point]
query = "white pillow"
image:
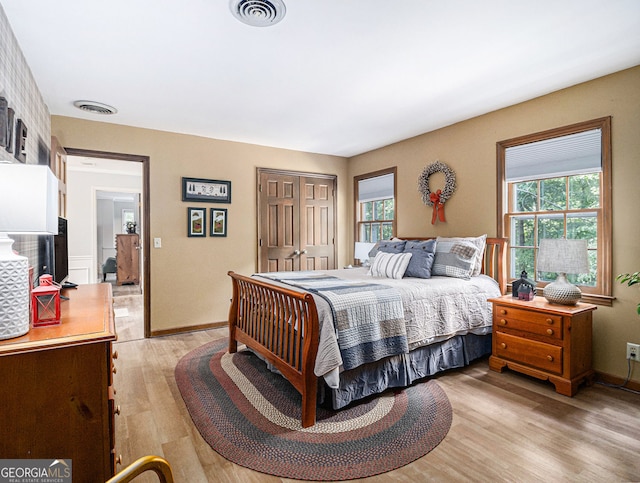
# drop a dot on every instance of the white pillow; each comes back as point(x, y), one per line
point(390, 265)
point(479, 241)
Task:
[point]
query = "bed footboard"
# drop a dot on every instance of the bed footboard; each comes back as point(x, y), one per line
point(282, 326)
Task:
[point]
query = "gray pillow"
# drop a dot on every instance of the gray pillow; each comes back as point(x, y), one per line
point(455, 258)
point(422, 256)
point(387, 246)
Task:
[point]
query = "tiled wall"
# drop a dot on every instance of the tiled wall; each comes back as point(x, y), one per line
point(18, 86)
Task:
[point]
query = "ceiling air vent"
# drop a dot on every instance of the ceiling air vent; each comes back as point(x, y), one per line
point(95, 107)
point(258, 13)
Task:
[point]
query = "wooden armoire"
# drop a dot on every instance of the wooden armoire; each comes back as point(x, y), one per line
point(128, 259)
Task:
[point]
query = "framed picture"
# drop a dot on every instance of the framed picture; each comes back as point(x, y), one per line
point(20, 152)
point(197, 222)
point(211, 190)
point(218, 222)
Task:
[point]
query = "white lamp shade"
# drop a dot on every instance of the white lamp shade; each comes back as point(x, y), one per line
point(28, 199)
point(560, 255)
point(362, 250)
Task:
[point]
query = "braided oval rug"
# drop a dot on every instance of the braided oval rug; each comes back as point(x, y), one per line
point(251, 417)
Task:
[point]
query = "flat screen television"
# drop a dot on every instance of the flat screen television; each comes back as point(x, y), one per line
point(61, 252)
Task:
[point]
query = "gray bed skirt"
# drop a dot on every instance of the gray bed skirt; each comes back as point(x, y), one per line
point(403, 370)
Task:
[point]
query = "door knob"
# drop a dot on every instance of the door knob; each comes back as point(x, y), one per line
point(296, 252)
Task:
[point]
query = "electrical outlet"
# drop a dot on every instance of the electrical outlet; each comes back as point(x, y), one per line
point(633, 351)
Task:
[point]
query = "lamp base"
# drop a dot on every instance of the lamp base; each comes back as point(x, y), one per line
point(14, 291)
point(562, 292)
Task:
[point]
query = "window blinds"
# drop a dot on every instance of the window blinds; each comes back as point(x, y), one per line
point(578, 153)
point(376, 188)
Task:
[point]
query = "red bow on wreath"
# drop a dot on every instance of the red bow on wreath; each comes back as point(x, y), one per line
point(438, 208)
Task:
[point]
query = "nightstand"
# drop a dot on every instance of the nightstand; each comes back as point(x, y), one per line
point(547, 341)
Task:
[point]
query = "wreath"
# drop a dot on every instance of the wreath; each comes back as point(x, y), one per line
point(438, 197)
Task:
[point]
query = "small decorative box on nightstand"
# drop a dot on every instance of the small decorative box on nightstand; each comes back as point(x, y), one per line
point(547, 341)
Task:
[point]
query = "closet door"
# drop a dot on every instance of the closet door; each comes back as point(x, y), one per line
point(278, 222)
point(296, 221)
point(317, 223)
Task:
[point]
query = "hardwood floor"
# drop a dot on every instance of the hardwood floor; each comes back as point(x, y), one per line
point(506, 427)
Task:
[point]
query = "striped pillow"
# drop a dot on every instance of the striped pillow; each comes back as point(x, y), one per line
point(390, 265)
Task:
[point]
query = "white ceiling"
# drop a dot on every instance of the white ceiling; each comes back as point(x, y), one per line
point(334, 76)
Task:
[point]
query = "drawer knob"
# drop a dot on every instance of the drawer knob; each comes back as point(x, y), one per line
point(550, 321)
point(117, 410)
point(114, 355)
point(114, 370)
point(550, 358)
point(119, 459)
point(550, 331)
point(503, 312)
point(503, 322)
point(503, 345)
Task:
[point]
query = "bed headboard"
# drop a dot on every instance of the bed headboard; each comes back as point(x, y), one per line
point(494, 261)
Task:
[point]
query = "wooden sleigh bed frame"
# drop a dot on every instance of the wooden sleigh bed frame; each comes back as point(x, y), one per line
point(270, 320)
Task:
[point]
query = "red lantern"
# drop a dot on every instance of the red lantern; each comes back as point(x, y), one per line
point(45, 302)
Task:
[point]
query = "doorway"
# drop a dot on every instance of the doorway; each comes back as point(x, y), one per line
point(114, 189)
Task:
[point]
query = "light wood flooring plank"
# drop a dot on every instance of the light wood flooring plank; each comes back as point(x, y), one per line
point(506, 427)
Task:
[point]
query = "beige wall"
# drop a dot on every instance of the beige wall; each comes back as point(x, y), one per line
point(469, 148)
point(189, 282)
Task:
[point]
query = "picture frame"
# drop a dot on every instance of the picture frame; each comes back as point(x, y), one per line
point(196, 222)
point(20, 152)
point(209, 190)
point(218, 222)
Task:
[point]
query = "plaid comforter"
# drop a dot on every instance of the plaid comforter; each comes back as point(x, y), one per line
point(368, 317)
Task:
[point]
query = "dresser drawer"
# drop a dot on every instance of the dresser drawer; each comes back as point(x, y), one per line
point(528, 321)
point(530, 352)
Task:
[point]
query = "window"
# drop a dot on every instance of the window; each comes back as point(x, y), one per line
point(558, 184)
point(375, 205)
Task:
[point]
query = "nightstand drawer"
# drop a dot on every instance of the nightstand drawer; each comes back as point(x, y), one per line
point(529, 321)
point(530, 352)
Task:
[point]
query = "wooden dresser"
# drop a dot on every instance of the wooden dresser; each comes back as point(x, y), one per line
point(548, 341)
point(128, 259)
point(56, 388)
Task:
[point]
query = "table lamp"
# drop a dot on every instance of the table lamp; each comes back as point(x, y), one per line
point(563, 256)
point(28, 205)
point(361, 252)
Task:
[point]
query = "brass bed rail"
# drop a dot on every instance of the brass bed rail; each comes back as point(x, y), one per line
point(156, 464)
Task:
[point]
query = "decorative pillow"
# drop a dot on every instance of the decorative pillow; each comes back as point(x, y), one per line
point(479, 241)
point(454, 259)
point(422, 255)
point(388, 246)
point(390, 265)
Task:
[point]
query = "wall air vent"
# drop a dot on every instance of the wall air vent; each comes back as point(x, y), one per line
point(95, 107)
point(258, 13)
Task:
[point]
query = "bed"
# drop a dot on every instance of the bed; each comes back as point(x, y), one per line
point(339, 350)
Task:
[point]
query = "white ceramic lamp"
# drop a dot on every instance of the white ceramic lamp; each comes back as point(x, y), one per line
point(28, 205)
point(563, 256)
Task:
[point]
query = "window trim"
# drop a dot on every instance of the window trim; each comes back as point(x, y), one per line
point(356, 195)
point(604, 295)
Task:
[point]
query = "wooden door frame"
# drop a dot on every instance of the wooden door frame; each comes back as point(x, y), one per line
point(146, 217)
point(305, 174)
